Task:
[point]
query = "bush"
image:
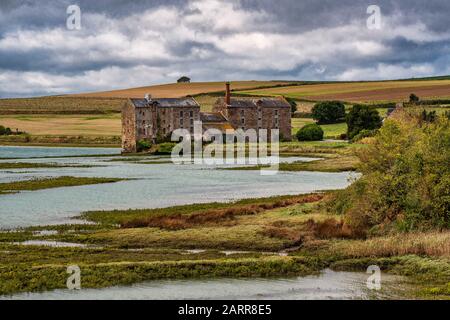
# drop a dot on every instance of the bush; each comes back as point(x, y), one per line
point(405, 178)
point(143, 145)
point(5, 131)
point(329, 112)
point(165, 148)
point(310, 132)
point(364, 134)
point(413, 98)
point(361, 118)
point(293, 105)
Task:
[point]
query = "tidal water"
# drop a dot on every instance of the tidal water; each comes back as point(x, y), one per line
point(12, 152)
point(151, 186)
point(328, 285)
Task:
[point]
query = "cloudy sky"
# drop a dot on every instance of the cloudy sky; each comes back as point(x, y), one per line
point(136, 43)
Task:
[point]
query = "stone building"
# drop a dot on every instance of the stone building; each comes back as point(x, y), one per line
point(256, 113)
point(155, 119)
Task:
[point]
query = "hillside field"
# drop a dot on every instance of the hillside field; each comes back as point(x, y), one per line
point(97, 115)
point(176, 90)
point(364, 92)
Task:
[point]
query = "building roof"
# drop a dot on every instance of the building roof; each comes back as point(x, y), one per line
point(212, 117)
point(254, 102)
point(166, 102)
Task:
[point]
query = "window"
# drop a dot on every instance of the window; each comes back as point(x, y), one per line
point(192, 122)
point(191, 114)
point(181, 114)
point(243, 120)
point(242, 112)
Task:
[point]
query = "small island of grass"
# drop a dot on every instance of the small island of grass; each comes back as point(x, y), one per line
point(48, 183)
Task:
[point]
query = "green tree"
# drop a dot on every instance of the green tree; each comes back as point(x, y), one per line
point(413, 98)
point(293, 104)
point(2, 130)
point(405, 178)
point(310, 132)
point(329, 112)
point(362, 117)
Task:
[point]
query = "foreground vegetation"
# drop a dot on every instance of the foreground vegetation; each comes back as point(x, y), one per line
point(39, 184)
point(276, 236)
point(406, 177)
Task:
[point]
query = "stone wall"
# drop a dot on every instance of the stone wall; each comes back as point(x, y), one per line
point(128, 128)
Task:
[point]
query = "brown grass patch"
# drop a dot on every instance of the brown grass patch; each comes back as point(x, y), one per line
point(295, 236)
point(331, 228)
point(227, 216)
point(434, 244)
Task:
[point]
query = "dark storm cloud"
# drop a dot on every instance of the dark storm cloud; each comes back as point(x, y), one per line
point(127, 43)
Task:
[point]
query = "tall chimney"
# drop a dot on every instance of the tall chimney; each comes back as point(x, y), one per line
point(228, 94)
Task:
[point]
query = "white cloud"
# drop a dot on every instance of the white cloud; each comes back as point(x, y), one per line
point(384, 71)
point(208, 40)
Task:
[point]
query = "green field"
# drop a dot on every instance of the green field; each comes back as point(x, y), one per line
point(331, 131)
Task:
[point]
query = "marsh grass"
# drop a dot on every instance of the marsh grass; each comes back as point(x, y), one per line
point(331, 164)
point(297, 225)
point(30, 165)
point(39, 278)
point(215, 216)
point(38, 184)
point(120, 217)
point(432, 244)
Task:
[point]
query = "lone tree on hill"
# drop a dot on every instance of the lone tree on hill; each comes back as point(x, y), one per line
point(328, 112)
point(362, 117)
point(184, 79)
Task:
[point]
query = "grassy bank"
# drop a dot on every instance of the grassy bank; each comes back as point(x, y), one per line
point(30, 165)
point(137, 245)
point(61, 140)
point(39, 184)
point(330, 164)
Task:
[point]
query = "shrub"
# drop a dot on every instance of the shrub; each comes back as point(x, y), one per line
point(405, 177)
point(5, 131)
point(329, 112)
point(413, 98)
point(428, 116)
point(293, 105)
point(362, 117)
point(364, 134)
point(310, 132)
point(143, 145)
point(166, 148)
